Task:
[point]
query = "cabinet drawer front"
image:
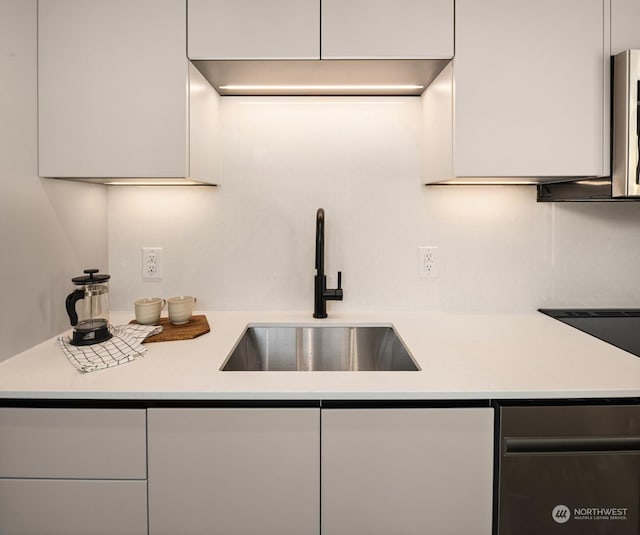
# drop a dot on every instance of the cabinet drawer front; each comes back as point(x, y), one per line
point(49, 507)
point(73, 443)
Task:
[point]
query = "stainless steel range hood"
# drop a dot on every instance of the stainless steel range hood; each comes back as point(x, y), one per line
point(352, 77)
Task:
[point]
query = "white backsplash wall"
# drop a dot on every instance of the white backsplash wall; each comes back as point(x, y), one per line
point(50, 230)
point(596, 254)
point(250, 243)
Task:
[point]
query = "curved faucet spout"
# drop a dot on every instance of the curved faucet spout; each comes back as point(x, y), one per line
point(320, 241)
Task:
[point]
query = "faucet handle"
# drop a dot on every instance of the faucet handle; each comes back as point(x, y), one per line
point(339, 280)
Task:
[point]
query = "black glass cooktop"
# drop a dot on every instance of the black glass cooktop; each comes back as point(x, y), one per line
point(619, 327)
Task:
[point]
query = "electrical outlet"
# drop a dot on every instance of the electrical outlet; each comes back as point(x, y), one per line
point(428, 261)
point(152, 263)
point(150, 254)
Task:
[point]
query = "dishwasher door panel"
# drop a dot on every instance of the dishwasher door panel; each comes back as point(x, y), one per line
point(569, 469)
point(570, 494)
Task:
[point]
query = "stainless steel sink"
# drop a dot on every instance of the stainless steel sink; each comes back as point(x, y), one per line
point(313, 348)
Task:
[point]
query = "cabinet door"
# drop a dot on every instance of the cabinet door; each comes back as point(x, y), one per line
point(530, 88)
point(407, 471)
point(234, 471)
point(254, 29)
point(73, 507)
point(353, 29)
point(625, 25)
point(112, 88)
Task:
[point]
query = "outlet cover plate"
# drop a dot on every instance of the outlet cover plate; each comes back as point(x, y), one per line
point(152, 263)
point(428, 261)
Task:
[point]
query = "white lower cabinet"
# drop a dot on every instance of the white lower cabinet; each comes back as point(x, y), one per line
point(227, 471)
point(72, 507)
point(303, 471)
point(246, 471)
point(73, 471)
point(52, 443)
point(407, 471)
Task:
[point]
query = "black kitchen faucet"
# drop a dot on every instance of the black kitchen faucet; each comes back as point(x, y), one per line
point(321, 293)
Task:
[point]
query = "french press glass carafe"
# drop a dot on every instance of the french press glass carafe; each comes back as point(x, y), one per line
point(90, 319)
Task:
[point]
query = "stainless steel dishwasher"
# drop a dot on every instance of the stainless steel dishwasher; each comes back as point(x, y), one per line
point(571, 470)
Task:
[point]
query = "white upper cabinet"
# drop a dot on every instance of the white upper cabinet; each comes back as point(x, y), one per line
point(364, 29)
point(254, 29)
point(625, 25)
point(529, 93)
point(114, 83)
point(291, 29)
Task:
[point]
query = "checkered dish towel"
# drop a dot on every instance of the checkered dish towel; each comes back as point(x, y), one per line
point(124, 346)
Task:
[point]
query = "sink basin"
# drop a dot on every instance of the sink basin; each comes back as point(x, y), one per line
point(313, 348)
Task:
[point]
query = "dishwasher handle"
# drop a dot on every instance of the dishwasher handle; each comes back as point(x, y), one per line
point(524, 445)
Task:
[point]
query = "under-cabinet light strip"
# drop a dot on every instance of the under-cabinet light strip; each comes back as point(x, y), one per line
point(157, 183)
point(486, 182)
point(355, 87)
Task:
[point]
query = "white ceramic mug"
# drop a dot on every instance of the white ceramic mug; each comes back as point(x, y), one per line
point(148, 310)
point(180, 309)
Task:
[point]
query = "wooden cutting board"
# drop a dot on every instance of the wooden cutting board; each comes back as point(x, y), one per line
point(197, 326)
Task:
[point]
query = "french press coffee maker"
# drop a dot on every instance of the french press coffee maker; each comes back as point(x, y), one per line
point(91, 319)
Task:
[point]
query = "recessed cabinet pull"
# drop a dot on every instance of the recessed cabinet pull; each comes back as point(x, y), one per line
point(571, 444)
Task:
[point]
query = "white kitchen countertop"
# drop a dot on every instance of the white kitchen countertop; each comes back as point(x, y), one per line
point(462, 356)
